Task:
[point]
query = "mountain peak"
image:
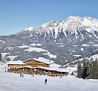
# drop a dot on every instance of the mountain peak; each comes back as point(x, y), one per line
point(73, 17)
point(29, 29)
point(71, 20)
point(73, 25)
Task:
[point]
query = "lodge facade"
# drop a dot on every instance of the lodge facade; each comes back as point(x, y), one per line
point(33, 67)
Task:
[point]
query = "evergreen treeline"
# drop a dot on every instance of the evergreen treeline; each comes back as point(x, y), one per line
point(0, 57)
point(88, 68)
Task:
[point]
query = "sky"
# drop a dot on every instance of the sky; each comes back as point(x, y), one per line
point(15, 15)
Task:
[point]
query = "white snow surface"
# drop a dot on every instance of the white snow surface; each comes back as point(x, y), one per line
point(94, 56)
point(4, 54)
point(29, 28)
point(44, 60)
point(77, 55)
point(2, 41)
point(85, 45)
point(13, 82)
point(10, 48)
point(54, 65)
point(50, 55)
point(35, 44)
point(71, 69)
point(12, 57)
point(82, 49)
point(23, 46)
point(96, 45)
point(37, 49)
point(15, 62)
point(33, 47)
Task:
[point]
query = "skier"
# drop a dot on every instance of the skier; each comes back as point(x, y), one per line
point(5, 69)
point(45, 81)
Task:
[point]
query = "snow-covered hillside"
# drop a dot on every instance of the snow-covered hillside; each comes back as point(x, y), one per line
point(13, 82)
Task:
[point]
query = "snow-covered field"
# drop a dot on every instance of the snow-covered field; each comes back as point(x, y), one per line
point(12, 82)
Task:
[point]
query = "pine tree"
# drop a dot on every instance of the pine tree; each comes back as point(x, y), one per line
point(79, 69)
point(0, 57)
point(89, 69)
point(94, 73)
point(84, 69)
point(84, 73)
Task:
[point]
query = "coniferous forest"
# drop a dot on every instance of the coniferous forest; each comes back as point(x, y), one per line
point(88, 69)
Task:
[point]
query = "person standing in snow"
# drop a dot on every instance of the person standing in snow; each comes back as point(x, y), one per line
point(21, 74)
point(45, 81)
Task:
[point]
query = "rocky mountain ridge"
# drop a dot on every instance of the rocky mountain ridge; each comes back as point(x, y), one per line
point(58, 40)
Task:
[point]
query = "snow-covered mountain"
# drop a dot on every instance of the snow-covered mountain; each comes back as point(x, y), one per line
point(58, 40)
point(71, 25)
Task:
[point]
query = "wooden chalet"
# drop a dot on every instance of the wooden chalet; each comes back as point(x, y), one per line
point(14, 65)
point(42, 71)
point(32, 66)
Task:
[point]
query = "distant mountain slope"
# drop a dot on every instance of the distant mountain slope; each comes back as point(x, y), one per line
point(60, 40)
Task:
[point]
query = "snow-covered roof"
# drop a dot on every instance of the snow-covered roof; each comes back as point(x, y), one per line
point(54, 65)
point(40, 59)
point(15, 62)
